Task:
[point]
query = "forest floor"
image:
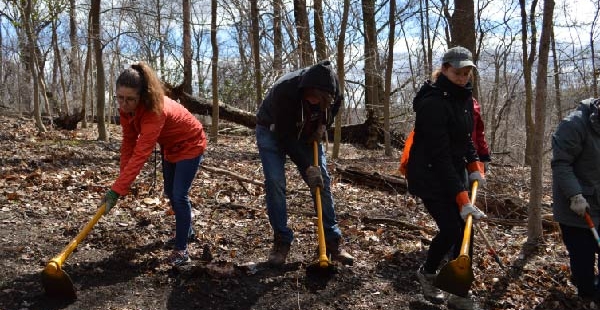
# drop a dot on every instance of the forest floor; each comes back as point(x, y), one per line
point(51, 184)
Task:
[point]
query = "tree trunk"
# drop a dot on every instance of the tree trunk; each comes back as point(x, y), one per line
point(527, 71)
point(388, 79)
point(372, 80)
point(462, 30)
point(556, 75)
point(187, 46)
point(319, 31)
point(74, 64)
point(256, 53)
point(534, 227)
point(277, 38)
point(86, 74)
point(31, 46)
point(64, 107)
point(100, 78)
point(595, 72)
point(302, 29)
point(337, 137)
point(214, 64)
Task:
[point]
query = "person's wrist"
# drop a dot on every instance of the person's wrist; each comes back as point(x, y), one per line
point(112, 194)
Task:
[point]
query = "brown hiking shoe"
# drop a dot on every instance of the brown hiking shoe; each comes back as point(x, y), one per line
point(337, 253)
point(279, 252)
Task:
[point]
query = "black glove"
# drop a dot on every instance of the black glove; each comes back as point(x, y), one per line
point(110, 199)
point(314, 178)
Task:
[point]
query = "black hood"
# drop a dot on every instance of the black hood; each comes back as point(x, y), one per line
point(320, 76)
point(444, 87)
point(426, 89)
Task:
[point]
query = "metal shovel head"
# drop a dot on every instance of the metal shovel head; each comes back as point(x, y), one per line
point(57, 283)
point(456, 276)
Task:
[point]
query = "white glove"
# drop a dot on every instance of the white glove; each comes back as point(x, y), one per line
point(475, 175)
point(473, 210)
point(579, 205)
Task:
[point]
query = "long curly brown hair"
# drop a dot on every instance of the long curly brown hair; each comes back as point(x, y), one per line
point(142, 77)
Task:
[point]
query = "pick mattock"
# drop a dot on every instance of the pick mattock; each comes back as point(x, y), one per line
point(456, 276)
point(323, 261)
point(490, 247)
point(56, 281)
point(590, 222)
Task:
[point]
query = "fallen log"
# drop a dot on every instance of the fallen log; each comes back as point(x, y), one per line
point(384, 182)
point(397, 223)
point(355, 133)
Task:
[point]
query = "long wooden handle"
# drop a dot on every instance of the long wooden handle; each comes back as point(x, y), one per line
point(464, 249)
point(323, 260)
point(62, 256)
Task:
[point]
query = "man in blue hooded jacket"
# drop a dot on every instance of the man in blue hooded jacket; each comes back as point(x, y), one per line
point(296, 111)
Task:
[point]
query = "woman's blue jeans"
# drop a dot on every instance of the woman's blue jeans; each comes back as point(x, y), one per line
point(178, 178)
point(273, 157)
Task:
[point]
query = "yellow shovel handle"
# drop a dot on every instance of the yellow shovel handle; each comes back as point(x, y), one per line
point(323, 260)
point(464, 249)
point(55, 264)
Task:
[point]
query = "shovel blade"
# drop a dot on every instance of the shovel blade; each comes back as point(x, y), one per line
point(57, 283)
point(456, 276)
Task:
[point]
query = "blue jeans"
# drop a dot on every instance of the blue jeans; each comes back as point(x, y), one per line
point(273, 156)
point(178, 178)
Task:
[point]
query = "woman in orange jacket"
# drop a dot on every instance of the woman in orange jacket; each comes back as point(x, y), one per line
point(149, 117)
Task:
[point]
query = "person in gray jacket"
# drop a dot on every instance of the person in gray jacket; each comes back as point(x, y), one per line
point(576, 190)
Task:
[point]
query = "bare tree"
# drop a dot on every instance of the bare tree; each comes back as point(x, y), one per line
point(426, 43)
point(320, 43)
point(100, 78)
point(372, 77)
point(74, 64)
point(556, 75)
point(528, 59)
point(55, 8)
point(277, 38)
point(187, 47)
point(303, 33)
point(256, 52)
point(534, 227)
point(86, 73)
point(214, 131)
point(36, 75)
point(388, 79)
point(595, 71)
point(337, 136)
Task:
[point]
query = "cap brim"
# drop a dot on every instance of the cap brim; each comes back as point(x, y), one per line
point(462, 63)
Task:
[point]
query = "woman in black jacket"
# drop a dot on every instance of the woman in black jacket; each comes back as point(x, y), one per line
point(441, 151)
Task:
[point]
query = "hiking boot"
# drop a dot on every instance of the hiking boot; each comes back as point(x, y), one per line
point(279, 252)
point(430, 292)
point(461, 303)
point(337, 253)
point(191, 238)
point(179, 258)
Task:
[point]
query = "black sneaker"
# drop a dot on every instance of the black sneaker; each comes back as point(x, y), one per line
point(191, 238)
point(179, 258)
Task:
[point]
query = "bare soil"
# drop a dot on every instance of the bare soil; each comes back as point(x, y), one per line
point(51, 184)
